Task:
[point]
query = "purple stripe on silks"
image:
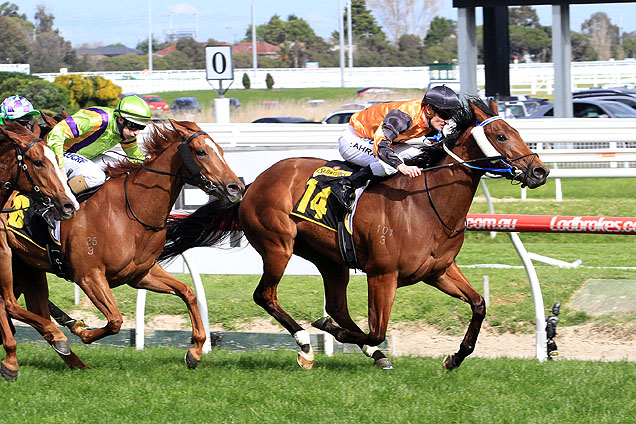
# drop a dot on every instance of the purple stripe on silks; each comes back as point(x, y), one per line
point(90, 139)
point(73, 126)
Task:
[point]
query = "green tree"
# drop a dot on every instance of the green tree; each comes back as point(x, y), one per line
point(528, 42)
point(14, 45)
point(269, 81)
point(523, 16)
point(247, 84)
point(629, 44)
point(11, 10)
point(603, 36)
point(363, 23)
point(440, 29)
point(42, 94)
point(193, 50)
point(156, 45)
point(582, 50)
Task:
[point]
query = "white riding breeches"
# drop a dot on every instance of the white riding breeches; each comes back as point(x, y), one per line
point(77, 165)
point(358, 150)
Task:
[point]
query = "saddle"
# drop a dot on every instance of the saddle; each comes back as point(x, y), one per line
point(32, 228)
point(319, 206)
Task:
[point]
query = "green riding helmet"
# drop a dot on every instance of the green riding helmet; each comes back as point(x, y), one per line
point(134, 109)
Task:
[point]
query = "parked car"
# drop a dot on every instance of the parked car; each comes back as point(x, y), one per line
point(282, 120)
point(595, 92)
point(156, 103)
point(340, 116)
point(186, 104)
point(588, 108)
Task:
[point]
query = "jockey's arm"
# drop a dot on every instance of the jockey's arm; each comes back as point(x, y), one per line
point(58, 135)
point(395, 122)
point(132, 150)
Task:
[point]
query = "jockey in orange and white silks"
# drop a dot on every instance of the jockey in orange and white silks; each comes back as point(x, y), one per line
point(376, 136)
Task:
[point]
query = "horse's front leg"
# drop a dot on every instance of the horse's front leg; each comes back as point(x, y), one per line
point(95, 286)
point(336, 279)
point(381, 296)
point(9, 366)
point(159, 281)
point(453, 283)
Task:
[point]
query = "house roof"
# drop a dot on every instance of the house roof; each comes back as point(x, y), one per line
point(261, 48)
point(107, 51)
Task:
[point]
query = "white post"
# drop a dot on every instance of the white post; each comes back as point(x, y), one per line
point(77, 294)
point(139, 319)
point(491, 207)
point(539, 309)
point(486, 281)
point(222, 110)
point(201, 299)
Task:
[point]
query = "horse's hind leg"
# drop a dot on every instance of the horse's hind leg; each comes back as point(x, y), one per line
point(36, 295)
point(158, 280)
point(453, 283)
point(336, 279)
point(9, 366)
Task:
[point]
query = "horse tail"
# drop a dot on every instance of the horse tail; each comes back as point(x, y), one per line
point(210, 225)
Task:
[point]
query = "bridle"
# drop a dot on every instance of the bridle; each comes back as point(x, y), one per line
point(491, 154)
point(22, 167)
point(196, 176)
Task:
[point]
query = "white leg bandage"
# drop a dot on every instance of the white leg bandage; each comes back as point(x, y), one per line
point(302, 337)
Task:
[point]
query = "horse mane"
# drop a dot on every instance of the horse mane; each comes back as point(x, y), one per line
point(158, 139)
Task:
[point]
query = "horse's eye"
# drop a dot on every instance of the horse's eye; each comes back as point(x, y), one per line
point(38, 163)
point(501, 137)
point(201, 152)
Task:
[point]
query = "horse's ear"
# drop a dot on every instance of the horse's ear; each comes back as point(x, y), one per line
point(64, 113)
point(37, 130)
point(48, 120)
point(493, 105)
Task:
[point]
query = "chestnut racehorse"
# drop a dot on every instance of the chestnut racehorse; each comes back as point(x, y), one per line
point(119, 232)
point(404, 230)
point(28, 165)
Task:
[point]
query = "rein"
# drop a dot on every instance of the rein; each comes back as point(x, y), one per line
point(491, 154)
point(190, 164)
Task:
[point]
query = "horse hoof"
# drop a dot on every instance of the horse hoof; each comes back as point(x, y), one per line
point(448, 363)
point(62, 347)
point(383, 363)
point(321, 323)
point(191, 361)
point(8, 374)
point(306, 361)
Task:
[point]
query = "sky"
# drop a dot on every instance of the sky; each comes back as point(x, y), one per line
point(127, 21)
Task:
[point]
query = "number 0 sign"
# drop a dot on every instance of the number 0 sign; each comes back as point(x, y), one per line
point(218, 63)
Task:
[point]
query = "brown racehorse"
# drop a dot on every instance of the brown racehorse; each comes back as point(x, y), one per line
point(119, 231)
point(27, 165)
point(405, 231)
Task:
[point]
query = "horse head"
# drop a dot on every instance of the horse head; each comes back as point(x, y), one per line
point(506, 151)
point(37, 170)
point(204, 160)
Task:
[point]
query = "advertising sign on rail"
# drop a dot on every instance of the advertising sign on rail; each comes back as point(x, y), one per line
point(551, 223)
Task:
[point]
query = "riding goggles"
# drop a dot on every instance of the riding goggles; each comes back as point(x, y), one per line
point(444, 114)
point(133, 126)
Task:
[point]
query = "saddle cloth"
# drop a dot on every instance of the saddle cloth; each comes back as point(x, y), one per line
point(25, 223)
point(319, 206)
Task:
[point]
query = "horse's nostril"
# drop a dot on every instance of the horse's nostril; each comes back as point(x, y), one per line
point(540, 172)
point(68, 208)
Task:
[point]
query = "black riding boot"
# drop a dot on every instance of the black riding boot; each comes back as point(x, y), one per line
point(45, 210)
point(345, 188)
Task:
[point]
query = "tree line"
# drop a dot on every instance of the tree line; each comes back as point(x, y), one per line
point(419, 42)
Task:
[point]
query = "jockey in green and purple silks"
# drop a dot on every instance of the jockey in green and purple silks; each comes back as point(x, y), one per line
point(92, 131)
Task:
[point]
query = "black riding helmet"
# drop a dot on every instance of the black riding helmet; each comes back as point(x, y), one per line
point(441, 98)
